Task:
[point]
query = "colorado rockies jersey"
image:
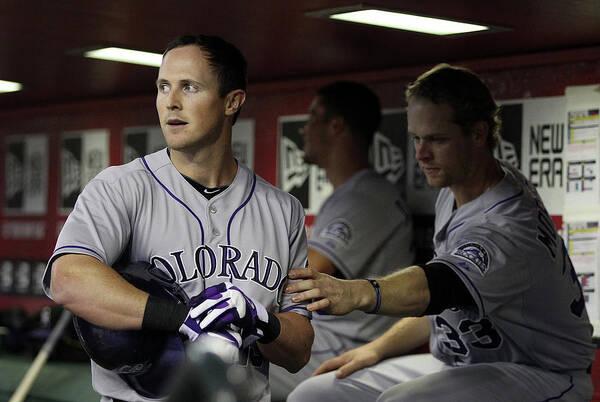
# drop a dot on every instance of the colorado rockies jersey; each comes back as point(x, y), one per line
point(365, 230)
point(251, 234)
point(529, 303)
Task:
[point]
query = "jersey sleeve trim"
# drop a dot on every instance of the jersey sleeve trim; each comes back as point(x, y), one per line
point(80, 247)
point(298, 309)
point(59, 252)
point(466, 280)
point(518, 195)
point(239, 209)
point(174, 196)
point(339, 264)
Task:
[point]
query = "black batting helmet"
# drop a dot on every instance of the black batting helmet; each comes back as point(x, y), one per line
point(142, 358)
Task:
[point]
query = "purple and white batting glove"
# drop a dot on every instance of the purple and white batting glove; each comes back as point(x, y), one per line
point(226, 304)
point(190, 328)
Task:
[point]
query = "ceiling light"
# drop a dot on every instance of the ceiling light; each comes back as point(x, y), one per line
point(126, 56)
point(10, 86)
point(396, 20)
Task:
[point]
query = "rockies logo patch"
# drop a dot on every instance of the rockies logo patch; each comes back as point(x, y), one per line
point(474, 253)
point(339, 230)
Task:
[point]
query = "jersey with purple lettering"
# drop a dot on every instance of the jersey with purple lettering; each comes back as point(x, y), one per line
point(529, 303)
point(251, 234)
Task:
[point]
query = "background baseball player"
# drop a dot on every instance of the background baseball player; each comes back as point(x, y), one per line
point(201, 219)
point(500, 301)
point(362, 226)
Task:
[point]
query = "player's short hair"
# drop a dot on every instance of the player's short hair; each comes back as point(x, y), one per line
point(356, 104)
point(225, 59)
point(461, 89)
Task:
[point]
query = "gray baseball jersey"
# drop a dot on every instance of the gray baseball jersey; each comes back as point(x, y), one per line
point(528, 339)
point(530, 306)
point(365, 230)
point(250, 234)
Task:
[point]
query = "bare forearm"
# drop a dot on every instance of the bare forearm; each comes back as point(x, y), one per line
point(97, 293)
point(403, 294)
point(403, 337)
point(291, 350)
point(406, 335)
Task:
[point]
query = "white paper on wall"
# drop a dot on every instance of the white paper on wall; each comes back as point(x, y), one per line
point(582, 243)
point(582, 145)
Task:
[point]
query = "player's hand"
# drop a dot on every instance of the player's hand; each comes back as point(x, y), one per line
point(192, 331)
point(350, 361)
point(225, 304)
point(331, 295)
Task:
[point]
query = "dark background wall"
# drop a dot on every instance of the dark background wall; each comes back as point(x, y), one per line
point(509, 78)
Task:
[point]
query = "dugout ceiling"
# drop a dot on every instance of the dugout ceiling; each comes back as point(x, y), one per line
point(280, 42)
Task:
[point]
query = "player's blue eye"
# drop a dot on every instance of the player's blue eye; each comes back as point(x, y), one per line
point(189, 88)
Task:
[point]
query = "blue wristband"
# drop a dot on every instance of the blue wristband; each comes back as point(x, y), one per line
point(378, 294)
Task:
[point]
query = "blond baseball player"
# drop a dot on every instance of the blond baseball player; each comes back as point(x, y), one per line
point(499, 302)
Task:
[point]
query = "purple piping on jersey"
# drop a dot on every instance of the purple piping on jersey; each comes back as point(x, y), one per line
point(467, 278)
point(562, 393)
point(84, 248)
point(174, 197)
point(238, 209)
point(455, 227)
point(294, 307)
point(233, 215)
point(503, 201)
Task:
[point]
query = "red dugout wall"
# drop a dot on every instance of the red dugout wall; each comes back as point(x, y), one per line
point(509, 78)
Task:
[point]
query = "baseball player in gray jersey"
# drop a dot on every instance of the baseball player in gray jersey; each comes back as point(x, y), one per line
point(362, 226)
point(201, 219)
point(500, 302)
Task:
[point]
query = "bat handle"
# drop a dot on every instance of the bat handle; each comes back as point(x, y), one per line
point(39, 361)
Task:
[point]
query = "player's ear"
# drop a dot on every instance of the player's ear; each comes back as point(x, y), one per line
point(479, 132)
point(337, 124)
point(234, 101)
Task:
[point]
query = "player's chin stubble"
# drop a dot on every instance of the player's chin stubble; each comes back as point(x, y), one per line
point(190, 144)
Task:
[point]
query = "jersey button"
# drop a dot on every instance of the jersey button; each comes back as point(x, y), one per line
point(212, 209)
point(216, 232)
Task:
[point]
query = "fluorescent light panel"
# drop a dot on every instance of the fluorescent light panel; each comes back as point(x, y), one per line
point(10, 86)
point(407, 22)
point(126, 56)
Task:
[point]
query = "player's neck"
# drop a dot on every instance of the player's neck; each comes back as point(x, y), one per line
point(485, 176)
point(342, 166)
point(209, 169)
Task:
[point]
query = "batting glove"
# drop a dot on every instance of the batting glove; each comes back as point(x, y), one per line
point(192, 330)
point(225, 304)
